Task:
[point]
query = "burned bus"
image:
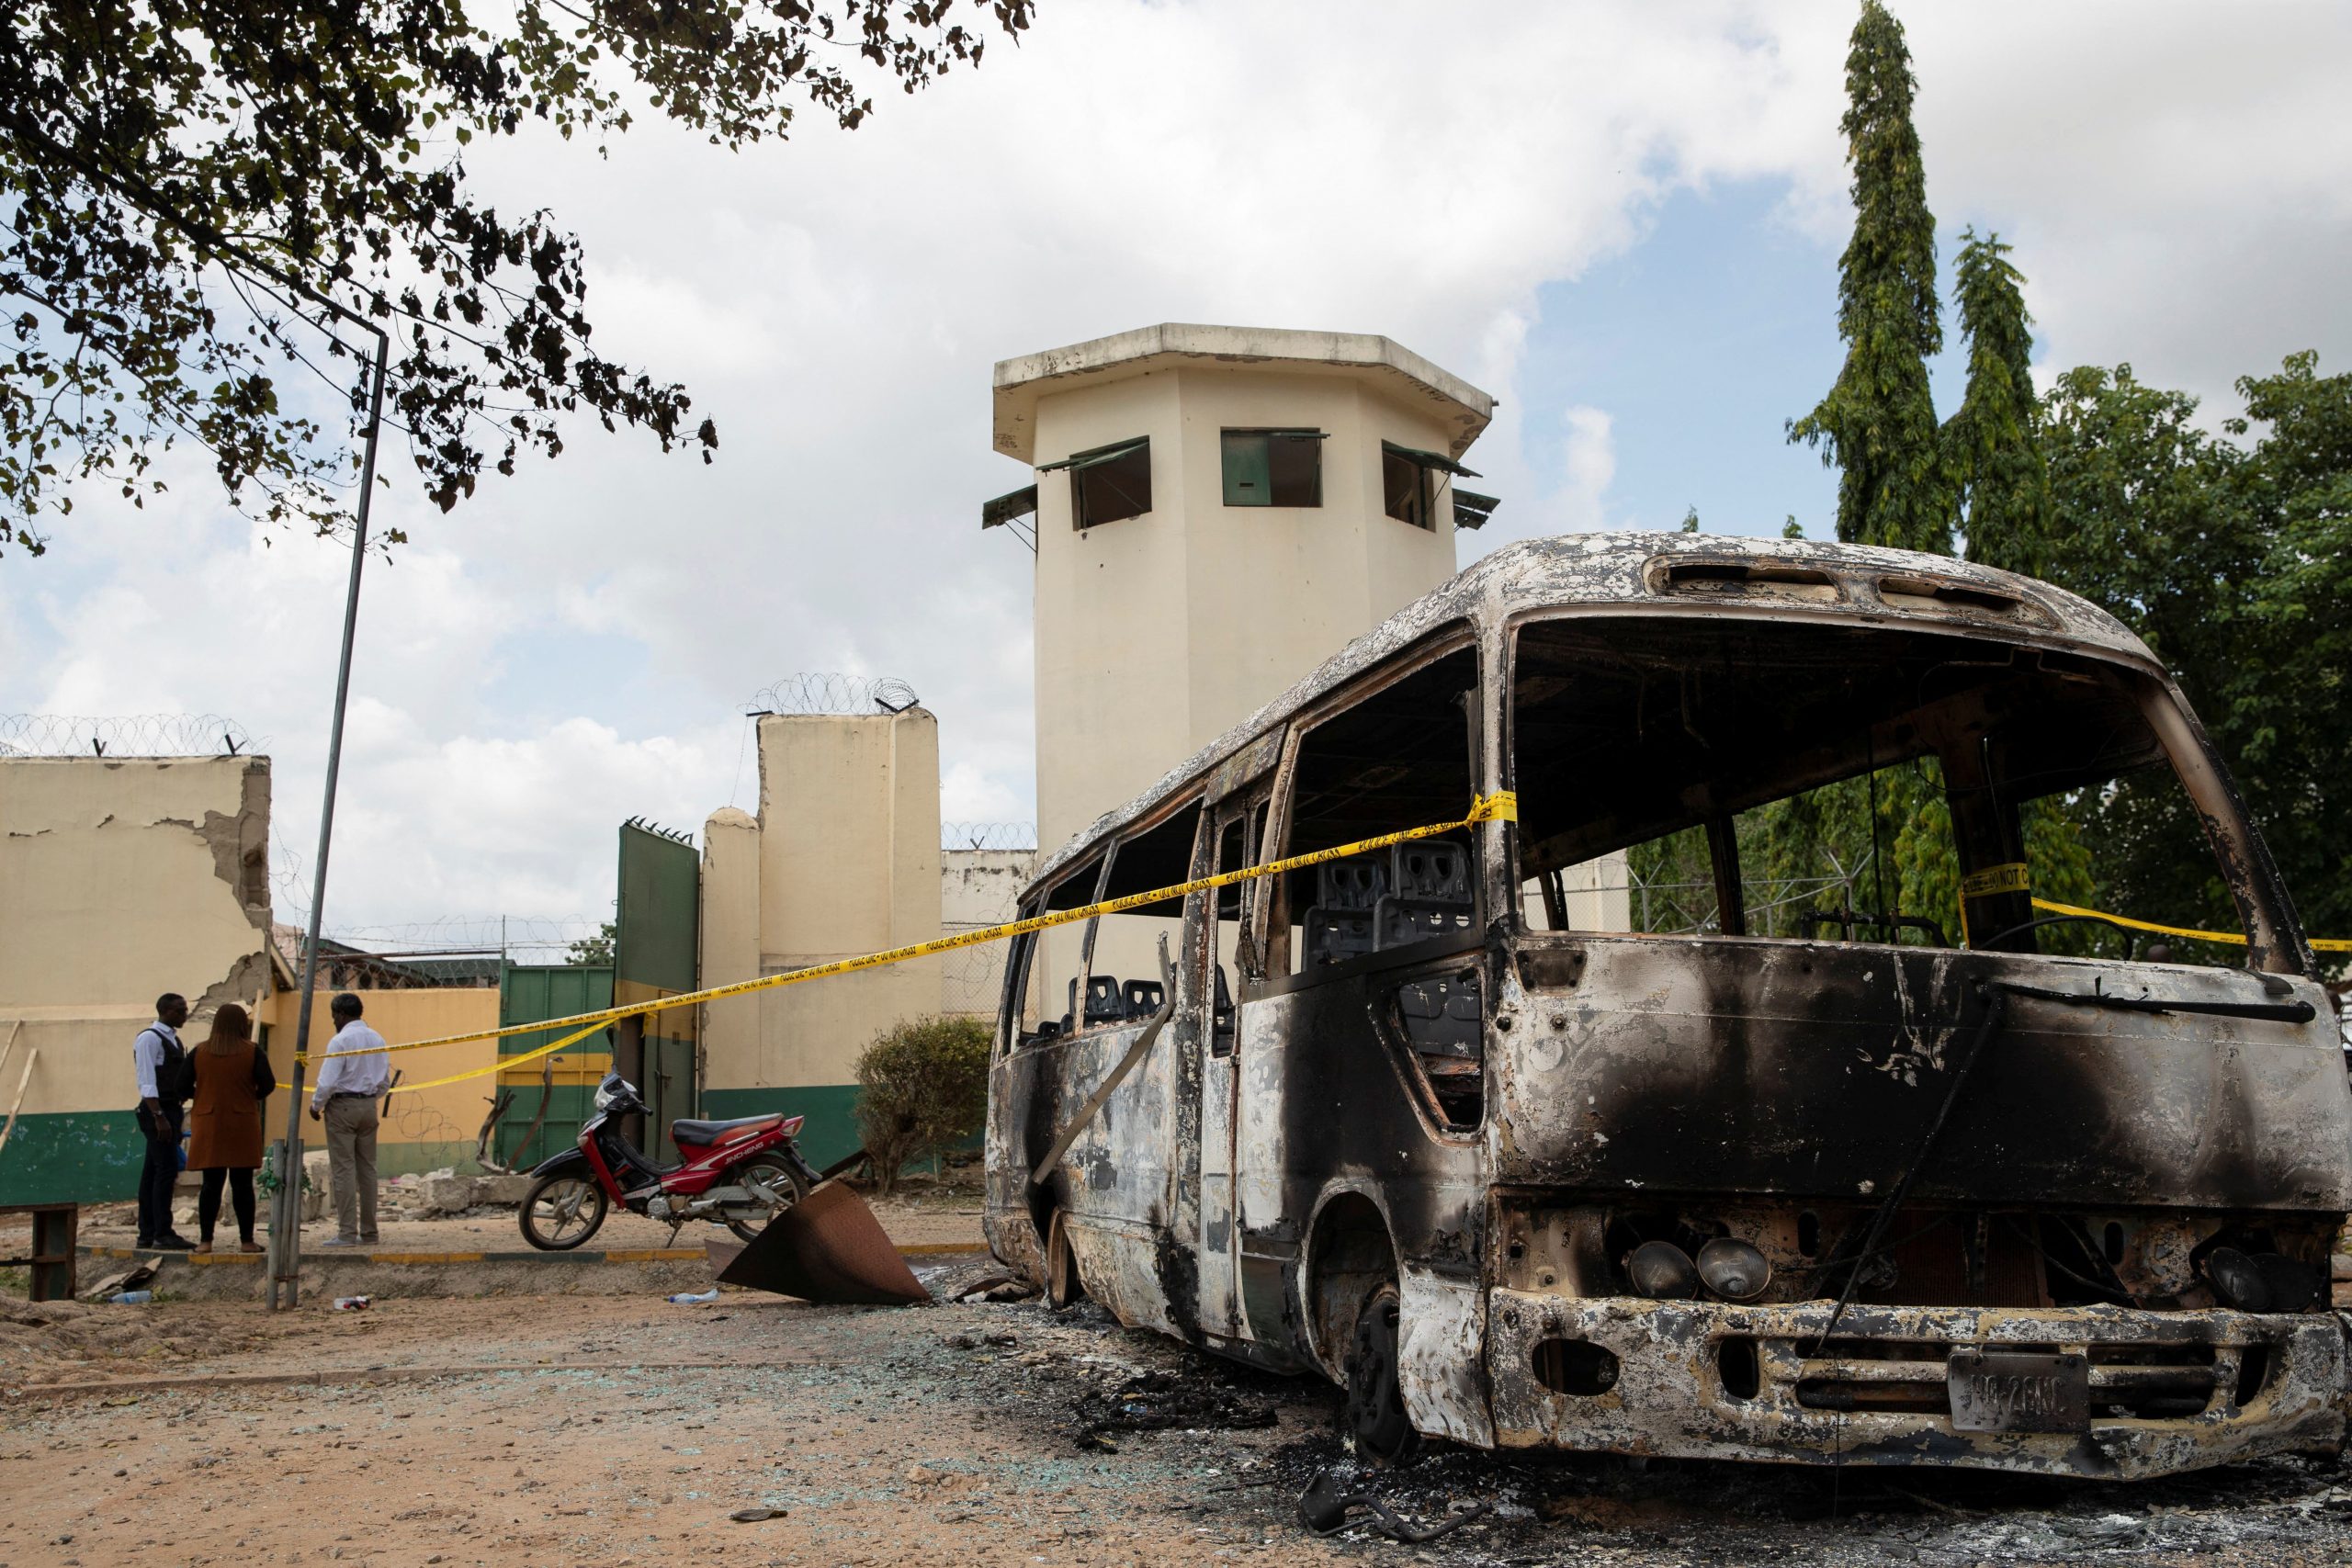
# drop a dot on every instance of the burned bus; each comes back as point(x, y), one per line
point(1813, 1177)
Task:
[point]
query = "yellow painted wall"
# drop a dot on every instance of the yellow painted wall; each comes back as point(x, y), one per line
point(843, 859)
point(120, 880)
point(433, 1127)
point(731, 944)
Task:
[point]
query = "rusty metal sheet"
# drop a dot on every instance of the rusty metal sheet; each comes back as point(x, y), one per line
point(827, 1247)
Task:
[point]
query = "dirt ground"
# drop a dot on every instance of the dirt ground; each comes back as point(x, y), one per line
point(607, 1431)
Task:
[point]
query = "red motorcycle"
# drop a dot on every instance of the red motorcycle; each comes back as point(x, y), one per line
point(741, 1174)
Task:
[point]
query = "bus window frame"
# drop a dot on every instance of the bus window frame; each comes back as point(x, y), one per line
point(1269, 937)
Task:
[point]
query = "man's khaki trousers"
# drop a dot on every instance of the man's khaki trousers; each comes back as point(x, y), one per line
point(351, 1165)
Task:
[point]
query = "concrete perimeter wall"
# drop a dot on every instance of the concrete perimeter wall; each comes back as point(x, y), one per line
point(977, 889)
point(120, 878)
point(842, 859)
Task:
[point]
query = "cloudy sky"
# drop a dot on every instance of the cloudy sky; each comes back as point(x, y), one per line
point(1623, 219)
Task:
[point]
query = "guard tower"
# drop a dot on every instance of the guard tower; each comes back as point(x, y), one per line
point(1216, 511)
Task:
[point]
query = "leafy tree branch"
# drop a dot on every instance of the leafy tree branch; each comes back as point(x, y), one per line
point(312, 156)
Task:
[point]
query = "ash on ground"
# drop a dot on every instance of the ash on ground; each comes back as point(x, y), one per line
point(1251, 1442)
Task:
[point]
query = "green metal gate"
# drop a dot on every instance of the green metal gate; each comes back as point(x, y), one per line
point(656, 952)
point(527, 992)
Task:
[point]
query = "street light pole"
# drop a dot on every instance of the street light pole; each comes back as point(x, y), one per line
point(285, 1209)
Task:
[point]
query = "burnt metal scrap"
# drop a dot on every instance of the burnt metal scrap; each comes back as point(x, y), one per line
point(1867, 1192)
point(1324, 1509)
point(1161, 1402)
point(827, 1247)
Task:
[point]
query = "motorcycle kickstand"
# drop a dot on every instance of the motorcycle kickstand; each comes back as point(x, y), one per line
point(676, 1226)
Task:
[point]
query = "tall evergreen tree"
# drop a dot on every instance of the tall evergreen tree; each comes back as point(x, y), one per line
point(1993, 445)
point(1878, 423)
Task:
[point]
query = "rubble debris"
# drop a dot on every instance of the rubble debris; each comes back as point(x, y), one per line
point(756, 1516)
point(996, 1287)
point(444, 1192)
point(109, 1286)
point(1159, 1402)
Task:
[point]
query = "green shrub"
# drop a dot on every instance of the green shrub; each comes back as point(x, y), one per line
point(925, 1088)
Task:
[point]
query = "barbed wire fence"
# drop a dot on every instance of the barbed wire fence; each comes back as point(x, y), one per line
point(522, 938)
point(817, 692)
point(827, 692)
point(126, 735)
point(1019, 836)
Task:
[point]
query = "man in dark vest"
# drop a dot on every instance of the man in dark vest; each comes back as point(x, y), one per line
point(161, 1063)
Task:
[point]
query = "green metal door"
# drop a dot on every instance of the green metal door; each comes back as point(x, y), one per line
point(656, 953)
point(527, 992)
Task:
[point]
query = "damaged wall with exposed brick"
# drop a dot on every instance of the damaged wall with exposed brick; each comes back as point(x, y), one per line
point(123, 878)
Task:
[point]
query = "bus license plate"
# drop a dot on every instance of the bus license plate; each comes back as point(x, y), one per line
point(2019, 1391)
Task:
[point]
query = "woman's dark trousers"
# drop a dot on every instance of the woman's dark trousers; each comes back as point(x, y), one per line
point(240, 1193)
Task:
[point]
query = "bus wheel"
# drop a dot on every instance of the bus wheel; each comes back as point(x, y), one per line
point(1375, 1413)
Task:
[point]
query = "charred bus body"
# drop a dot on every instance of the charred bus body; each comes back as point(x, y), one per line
point(1856, 1188)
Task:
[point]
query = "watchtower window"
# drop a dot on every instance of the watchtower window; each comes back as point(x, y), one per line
point(1273, 468)
point(1409, 481)
point(1108, 483)
point(1405, 490)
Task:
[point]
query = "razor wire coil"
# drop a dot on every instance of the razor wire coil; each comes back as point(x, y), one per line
point(826, 692)
point(1017, 836)
point(126, 735)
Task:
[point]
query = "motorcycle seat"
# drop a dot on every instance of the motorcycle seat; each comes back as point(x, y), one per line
point(708, 1133)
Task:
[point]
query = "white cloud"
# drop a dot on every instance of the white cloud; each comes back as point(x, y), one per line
point(574, 646)
point(1590, 464)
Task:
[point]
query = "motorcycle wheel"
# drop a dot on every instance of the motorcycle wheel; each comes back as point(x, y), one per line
point(774, 1174)
point(563, 1210)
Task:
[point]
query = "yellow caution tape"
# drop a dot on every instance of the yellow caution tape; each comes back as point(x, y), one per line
point(2008, 878)
point(500, 1065)
point(2324, 945)
point(1500, 807)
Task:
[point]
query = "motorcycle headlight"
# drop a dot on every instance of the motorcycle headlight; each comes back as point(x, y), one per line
point(604, 1097)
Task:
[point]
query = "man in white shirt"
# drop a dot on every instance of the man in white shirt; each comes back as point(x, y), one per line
point(157, 1059)
point(349, 1087)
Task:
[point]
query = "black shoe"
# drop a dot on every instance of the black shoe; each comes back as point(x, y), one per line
point(173, 1244)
